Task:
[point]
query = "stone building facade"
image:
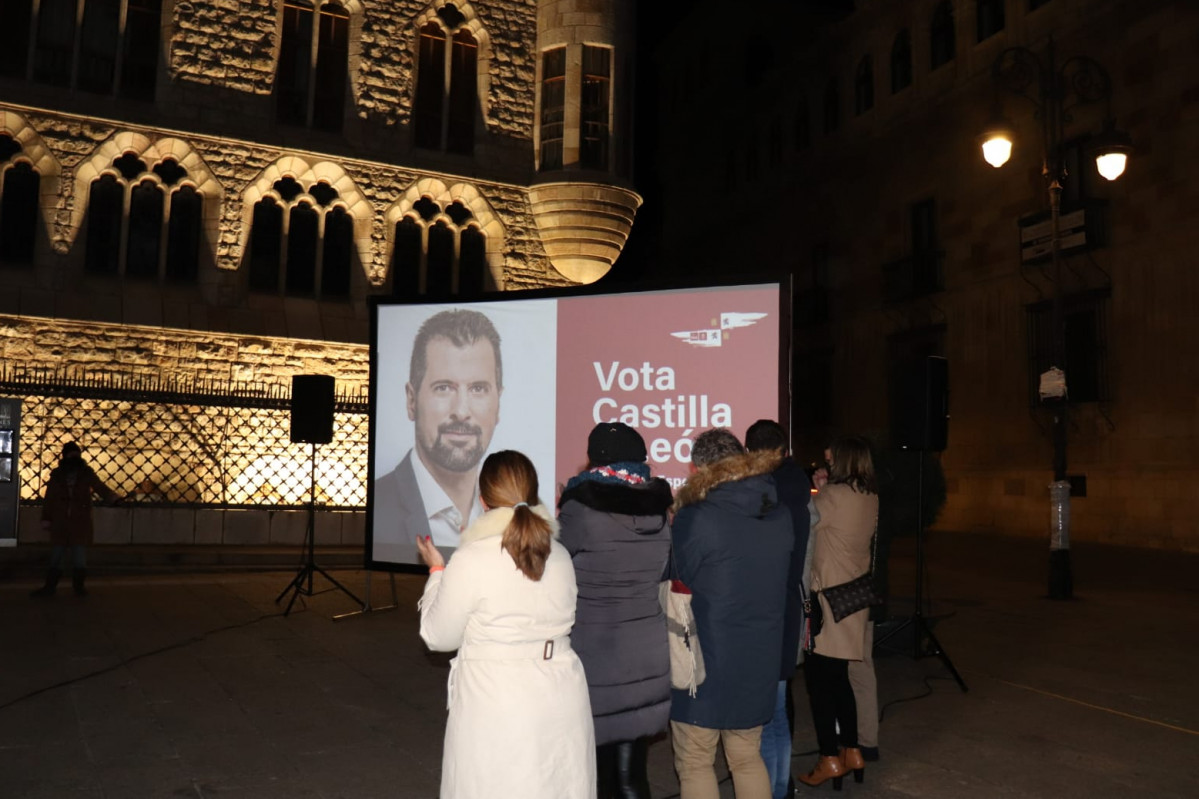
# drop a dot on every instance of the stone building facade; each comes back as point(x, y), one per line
point(844, 149)
point(243, 175)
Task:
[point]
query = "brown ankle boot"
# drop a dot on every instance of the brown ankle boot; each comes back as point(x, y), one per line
point(827, 767)
point(853, 761)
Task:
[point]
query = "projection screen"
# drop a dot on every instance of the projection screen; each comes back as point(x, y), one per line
point(670, 363)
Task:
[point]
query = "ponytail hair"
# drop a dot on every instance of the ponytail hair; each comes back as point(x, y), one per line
point(508, 480)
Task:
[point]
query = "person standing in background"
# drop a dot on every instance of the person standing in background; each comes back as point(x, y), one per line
point(613, 520)
point(67, 514)
point(794, 491)
point(848, 513)
point(732, 546)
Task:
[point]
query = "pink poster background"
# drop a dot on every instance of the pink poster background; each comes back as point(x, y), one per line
point(624, 332)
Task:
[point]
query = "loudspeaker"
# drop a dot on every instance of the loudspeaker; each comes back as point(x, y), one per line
point(311, 409)
point(920, 405)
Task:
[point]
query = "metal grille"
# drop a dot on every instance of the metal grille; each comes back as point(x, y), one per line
point(158, 443)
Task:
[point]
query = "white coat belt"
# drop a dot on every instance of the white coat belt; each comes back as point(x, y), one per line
point(534, 650)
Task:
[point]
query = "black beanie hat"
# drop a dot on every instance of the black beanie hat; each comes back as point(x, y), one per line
point(615, 442)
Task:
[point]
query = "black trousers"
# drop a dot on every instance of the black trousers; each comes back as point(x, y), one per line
point(833, 705)
point(621, 769)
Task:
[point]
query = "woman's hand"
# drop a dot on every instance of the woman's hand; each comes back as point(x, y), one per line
point(820, 478)
point(429, 553)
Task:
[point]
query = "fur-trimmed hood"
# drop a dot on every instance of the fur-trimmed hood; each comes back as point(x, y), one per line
point(495, 521)
point(651, 499)
point(727, 470)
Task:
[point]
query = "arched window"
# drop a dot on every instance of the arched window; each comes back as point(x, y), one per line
point(447, 84)
point(863, 86)
point(832, 106)
point(438, 252)
point(314, 52)
point(115, 51)
point(941, 36)
point(989, 18)
point(20, 188)
point(901, 61)
point(154, 234)
point(803, 124)
point(302, 241)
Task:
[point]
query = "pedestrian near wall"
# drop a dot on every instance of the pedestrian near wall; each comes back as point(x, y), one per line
point(613, 519)
point(67, 514)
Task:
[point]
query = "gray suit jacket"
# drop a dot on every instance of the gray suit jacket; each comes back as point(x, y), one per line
point(399, 516)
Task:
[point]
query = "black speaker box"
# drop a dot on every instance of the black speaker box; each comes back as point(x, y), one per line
point(920, 405)
point(312, 409)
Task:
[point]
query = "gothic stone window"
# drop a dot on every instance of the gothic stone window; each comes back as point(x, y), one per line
point(144, 223)
point(301, 241)
point(832, 106)
point(989, 18)
point(595, 112)
point(438, 252)
point(901, 61)
point(941, 35)
point(553, 107)
point(19, 194)
point(314, 52)
point(447, 81)
point(863, 86)
point(101, 46)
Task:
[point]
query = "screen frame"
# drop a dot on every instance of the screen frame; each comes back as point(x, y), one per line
point(783, 280)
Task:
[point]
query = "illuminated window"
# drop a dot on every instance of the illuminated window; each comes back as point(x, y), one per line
point(553, 107)
point(438, 252)
point(901, 61)
point(301, 241)
point(447, 82)
point(101, 46)
point(144, 223)
point(19, 197)
point(595, 113)
point(941, 36)
point(314, 51)
point(989, 18)
point(863, 86)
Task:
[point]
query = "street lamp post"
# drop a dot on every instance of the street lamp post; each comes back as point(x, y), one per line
point(1054, 91)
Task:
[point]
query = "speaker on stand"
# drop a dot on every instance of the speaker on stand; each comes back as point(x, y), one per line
point(312, 404)
point(920, 422)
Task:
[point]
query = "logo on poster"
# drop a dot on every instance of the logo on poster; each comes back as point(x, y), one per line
point(716, 335)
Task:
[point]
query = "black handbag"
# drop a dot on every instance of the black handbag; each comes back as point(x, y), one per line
point(848, 598)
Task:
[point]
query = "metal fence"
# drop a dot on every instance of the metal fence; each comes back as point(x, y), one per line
point(172, 443)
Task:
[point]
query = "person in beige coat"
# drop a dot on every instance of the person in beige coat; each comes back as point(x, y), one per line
point(848, 508)
point(519, 714)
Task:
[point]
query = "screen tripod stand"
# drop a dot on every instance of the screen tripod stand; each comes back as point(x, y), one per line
point(924, 642)
point(302, 583)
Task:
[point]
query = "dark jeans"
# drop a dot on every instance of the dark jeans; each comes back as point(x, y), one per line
point(621, 769)
point(832, 701)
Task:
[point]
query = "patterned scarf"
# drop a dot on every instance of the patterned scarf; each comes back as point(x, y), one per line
point(623, 473)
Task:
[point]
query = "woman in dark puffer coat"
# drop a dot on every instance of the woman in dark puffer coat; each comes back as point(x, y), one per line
point(613, 521)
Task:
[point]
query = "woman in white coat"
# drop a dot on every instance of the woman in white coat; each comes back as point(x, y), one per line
point(519, 715)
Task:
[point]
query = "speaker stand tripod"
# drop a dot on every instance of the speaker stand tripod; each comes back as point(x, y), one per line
point(302, 583)
point(924, 642)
